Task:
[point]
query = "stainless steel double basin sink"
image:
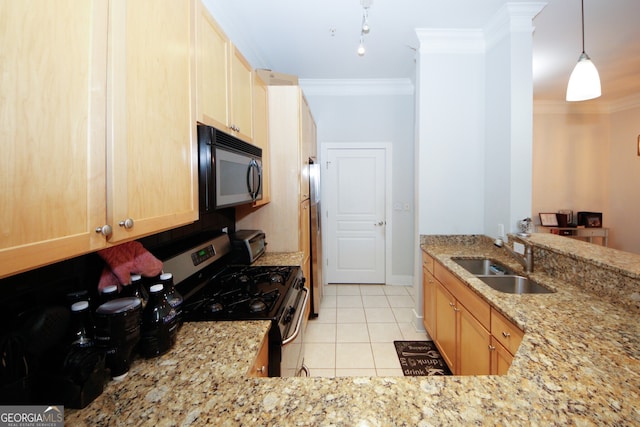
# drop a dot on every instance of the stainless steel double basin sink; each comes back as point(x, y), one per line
point(500, 277)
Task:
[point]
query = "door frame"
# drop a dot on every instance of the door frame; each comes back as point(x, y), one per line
point(388, 208)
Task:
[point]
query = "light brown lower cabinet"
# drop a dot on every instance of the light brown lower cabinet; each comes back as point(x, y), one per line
point(474, 355)
point(446, 322)
point(260, 367)
point(500, 358)
point(429, 296)
point(472, 336)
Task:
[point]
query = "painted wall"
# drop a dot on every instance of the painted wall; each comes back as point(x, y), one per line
point(450, 139)
point(370, 114)
point(624, 196)
point(508, 111)
point(474, 123)
point(586, 160)
point(571, 162)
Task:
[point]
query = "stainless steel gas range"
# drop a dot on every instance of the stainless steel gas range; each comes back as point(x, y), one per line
point(214, 290)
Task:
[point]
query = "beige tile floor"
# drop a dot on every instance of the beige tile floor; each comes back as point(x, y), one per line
point(354, 332)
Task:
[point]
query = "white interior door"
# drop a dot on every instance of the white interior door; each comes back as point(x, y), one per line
point(356, 224)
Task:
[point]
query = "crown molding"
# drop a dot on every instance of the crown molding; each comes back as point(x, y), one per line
point(450, 40)
point(512, 18)
point(627, 103)
point(356, 87)
point(563, 107)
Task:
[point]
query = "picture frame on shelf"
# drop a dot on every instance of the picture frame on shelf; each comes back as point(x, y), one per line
point(548, 219)
point(593, 221)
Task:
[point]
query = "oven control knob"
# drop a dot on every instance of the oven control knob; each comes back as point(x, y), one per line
point(289, 314)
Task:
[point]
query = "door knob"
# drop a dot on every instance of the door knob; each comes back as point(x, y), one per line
point(127, 223)
point(379, 223)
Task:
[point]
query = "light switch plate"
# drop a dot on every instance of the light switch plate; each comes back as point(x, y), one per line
point(518, 247)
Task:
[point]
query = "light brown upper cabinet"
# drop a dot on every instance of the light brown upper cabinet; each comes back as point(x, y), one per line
point(152, 156)
point(212, 71)
point(98, 126)
point(224, 81)
point(261, 134)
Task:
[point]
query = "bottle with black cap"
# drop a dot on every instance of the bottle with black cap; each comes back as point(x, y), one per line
point(159, 324)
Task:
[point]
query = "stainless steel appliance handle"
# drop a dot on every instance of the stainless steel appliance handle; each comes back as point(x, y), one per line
point(259, 176)
point(299, 324)
point(253, 192)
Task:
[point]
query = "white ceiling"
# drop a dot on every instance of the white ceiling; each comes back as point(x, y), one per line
point(318, 39)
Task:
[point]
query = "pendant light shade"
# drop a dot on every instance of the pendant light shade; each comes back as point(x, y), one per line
point(584, 82)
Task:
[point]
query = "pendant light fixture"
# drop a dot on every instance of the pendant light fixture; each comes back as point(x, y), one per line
point(584, 82)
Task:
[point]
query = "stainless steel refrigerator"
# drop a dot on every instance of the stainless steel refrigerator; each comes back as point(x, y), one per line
point(315, 233)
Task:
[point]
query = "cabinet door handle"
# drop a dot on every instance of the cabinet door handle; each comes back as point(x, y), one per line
point(506, 334)
point(105, 230)
point(261, 370)
point(127, 223)
point(492, 348)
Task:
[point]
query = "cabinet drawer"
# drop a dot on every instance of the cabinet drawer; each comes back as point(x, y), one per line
point(508, 334)
point(427, 262)
point(472, 302)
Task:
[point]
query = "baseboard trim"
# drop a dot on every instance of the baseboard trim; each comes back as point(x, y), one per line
point(400, 281)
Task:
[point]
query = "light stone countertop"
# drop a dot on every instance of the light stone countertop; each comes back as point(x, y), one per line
point(279, 259)
point(578, 364)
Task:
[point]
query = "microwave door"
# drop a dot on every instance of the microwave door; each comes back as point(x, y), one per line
point(231, 173)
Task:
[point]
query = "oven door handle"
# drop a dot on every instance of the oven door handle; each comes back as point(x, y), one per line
point(299, 324)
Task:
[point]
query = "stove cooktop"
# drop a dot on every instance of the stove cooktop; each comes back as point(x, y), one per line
point(242, 293)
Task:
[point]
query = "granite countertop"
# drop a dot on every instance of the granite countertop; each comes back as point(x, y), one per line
point(279, 259)
point(206, 355)
point(578, 364)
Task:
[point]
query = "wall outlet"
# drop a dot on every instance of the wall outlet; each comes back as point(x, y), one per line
point(518, 247)
point(501, 230)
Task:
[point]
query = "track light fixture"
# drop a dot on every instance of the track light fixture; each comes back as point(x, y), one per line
point(365, 28)
point(361, 49)
point(365, 21)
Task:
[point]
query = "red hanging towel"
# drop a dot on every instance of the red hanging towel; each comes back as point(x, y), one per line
point(124, 260)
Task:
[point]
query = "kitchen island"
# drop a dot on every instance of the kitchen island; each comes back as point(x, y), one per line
point(579, 363)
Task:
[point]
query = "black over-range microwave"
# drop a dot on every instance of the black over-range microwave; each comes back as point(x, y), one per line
point(230, 170)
